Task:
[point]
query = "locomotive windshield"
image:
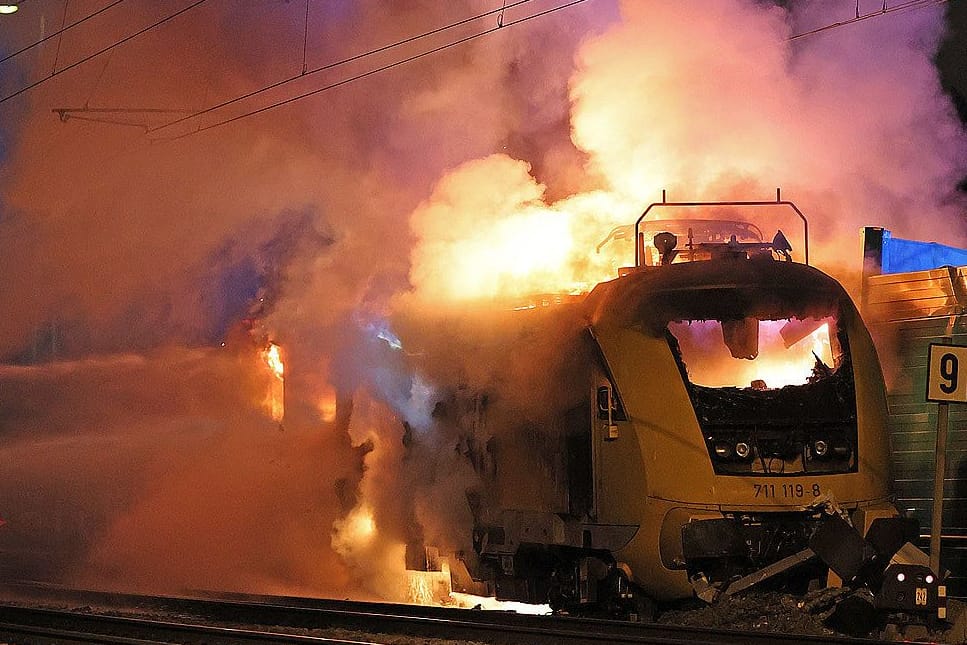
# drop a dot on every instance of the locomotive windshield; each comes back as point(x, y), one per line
point(763, 350)
point(756, 353)
point(771, 396)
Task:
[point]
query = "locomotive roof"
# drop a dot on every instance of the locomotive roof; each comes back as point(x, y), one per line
point(718, 289)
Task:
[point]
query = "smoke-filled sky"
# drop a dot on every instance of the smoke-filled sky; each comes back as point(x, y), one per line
point(489, 169)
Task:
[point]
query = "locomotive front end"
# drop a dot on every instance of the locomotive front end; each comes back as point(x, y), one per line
point(733, 430)
point(748, 402)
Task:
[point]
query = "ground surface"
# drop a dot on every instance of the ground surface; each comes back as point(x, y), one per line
point(814, 614)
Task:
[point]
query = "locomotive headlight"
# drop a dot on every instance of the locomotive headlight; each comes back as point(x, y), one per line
point(929, 579)
point(820, 448)
point(900, 577)
point(742, 449)
point(723, 450)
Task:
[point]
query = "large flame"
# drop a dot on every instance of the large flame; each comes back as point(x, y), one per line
point(275, 398)
point(711, 101)
point(487, 233)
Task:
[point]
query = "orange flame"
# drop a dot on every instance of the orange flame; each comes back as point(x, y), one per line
point(327, 405)
point(275, 398)
point(430, 588)
point(273, 358)
point(487, 232)
point(359, 527)
point(797, 365)
point(709, 362)
point(433, 588)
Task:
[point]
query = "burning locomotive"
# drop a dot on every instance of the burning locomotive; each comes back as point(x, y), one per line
point(730, 426)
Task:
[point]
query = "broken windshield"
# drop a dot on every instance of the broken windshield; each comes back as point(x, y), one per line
point(771, 396)
point(761, 354)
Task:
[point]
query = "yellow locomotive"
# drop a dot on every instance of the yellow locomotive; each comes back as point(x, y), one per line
point(732, 404)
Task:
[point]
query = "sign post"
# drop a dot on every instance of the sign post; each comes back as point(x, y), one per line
point(946, 383)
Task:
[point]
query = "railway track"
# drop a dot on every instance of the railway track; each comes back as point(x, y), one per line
point(97, 617)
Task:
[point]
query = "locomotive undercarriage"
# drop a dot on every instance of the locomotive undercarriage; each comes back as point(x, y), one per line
point(721, 550)
point(569, 580)
point(790, 551)
point(569, 565)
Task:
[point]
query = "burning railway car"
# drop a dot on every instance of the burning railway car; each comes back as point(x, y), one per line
point(731, 424)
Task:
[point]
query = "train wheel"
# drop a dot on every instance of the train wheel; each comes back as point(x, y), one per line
point(623, 599)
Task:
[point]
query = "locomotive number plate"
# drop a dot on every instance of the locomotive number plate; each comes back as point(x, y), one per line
point(786, 491)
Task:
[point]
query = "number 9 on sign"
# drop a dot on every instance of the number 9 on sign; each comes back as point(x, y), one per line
point(945, 380)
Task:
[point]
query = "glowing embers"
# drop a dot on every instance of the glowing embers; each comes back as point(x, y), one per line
point(433, 588)
point(429, 587)
point(275, 397)
point(774, 353)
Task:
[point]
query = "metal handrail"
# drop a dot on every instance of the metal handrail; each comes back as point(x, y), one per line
point(779, 201)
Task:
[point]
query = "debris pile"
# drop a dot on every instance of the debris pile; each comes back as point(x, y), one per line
point(825, 612)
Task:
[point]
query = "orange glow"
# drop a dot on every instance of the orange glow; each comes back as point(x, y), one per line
point(327, 405)
point(797, 365)
point(433, 588)
point(273, 358)
point(710, 364)
point(358, 528)
point(487, 233)
point(469, 601)
point(275, 398)
point(429, 587)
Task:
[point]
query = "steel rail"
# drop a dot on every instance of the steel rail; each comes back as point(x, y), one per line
point(418, 621)
point(69, 626)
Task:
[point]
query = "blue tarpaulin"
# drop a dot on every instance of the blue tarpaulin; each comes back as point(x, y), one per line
point(901, 256)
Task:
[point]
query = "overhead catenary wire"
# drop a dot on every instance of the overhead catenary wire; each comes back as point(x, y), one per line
point(60, 40)
point(113, 115)
point(909, 5)
point(341, 62)
point(60, 31)
point(305, 41)
point(377, 70)
point(97, 82)
point(103, 50)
